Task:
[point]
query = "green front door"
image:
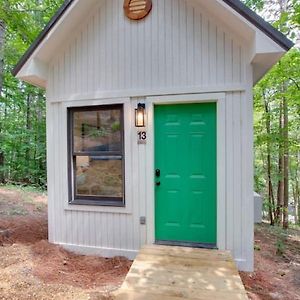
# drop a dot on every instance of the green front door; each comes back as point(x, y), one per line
point(185, 162)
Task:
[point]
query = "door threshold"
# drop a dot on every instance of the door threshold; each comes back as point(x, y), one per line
point(187, 244)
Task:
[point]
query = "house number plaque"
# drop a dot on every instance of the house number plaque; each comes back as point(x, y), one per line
point(142, 137)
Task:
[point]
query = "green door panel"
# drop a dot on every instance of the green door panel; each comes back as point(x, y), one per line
point(185, 153)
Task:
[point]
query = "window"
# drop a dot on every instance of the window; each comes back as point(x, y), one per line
point(96, 149)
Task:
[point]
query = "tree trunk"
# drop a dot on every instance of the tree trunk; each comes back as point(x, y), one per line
point(296, 190)
point(280, 187)
point(286, 164)
point(269, 166)
point(2, 32)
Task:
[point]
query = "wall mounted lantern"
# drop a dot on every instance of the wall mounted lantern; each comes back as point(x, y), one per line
point(140, 115)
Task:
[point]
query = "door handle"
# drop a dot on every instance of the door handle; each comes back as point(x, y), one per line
point(157, 172)
point(157, 183)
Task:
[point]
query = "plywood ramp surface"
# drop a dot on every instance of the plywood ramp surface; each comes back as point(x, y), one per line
point(172, 273)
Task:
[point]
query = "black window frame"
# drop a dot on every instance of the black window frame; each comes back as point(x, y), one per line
point(93, 200)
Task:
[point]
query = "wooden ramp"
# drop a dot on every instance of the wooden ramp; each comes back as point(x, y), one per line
point(173, 273)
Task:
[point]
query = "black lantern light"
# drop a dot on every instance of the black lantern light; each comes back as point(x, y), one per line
point(140, 115)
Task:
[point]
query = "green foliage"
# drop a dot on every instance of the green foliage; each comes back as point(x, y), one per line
point(281, 83)
point(280, 243)
point(254, 4)
point(22, 107)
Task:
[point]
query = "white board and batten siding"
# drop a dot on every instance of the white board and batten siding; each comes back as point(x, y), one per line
point(178, 49)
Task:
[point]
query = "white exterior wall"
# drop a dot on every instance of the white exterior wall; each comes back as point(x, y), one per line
point(178, 49)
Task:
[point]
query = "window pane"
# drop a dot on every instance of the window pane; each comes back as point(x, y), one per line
point(97, 130)
point(99, 176)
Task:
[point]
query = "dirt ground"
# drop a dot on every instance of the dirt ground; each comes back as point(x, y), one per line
point(277, 273)
point(31, 268)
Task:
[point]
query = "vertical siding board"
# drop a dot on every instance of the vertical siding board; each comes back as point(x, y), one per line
point(118, 244)
point(109, 45)
point(228, 60)
point(85, 231)
point(55, 92)
point(104, 230)
point(148, 51)
point(115, 44)
point(161, 44)
point(60, 76)
point(123, 239)
point(220, 57)
point(212, 42)
point(96, 51)
point(198, 48)
point(81, 228)
point(175, 43)
point(114, 229)
point(72, 70)
point(127, 53)
point(85, 58)
point(98, 230)
point(74, 224)
point(68, 238)
point(242, 65)
point(121, 53)
point(141, 58)
point(92, 39)
point(101, 46)
point(129, 232)
point(190, 45)
point(66, 55)
point(236, 62)
point(78, 64)
point(205, 50)
point(168, 39)
point(183, 42)
point(134, 56)
point(91, 241)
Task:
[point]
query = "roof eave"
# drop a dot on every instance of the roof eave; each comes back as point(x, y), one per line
point(41, 36)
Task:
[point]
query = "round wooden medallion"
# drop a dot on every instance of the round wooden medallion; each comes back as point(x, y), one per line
point(137, 9)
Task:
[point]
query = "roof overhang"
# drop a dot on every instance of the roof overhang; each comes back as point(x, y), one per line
point(33, 66)
point(266, 45)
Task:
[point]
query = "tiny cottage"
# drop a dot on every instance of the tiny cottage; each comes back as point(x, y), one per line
point(149, 122)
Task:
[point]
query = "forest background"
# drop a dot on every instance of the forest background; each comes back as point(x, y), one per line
point(276, 105)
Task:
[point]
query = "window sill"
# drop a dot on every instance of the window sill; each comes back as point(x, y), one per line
point(91, 202)
point(77, 205)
